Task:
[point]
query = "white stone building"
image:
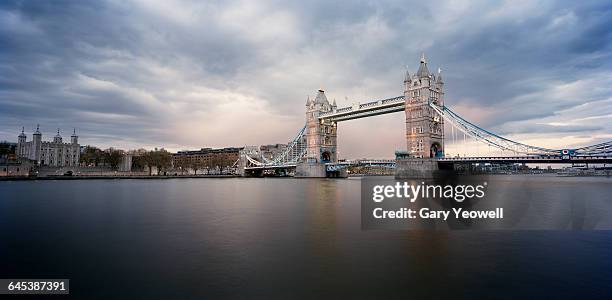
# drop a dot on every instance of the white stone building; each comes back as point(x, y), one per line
point(54, 154)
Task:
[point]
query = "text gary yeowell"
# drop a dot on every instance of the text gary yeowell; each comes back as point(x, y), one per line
point(412, 192)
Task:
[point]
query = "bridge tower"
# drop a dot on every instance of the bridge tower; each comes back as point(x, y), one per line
point(424, 127)
point(321, 138)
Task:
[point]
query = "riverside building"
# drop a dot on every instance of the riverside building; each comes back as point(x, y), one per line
point(54, 153)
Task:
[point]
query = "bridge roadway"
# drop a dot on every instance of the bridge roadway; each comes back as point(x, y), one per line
point(332, 166)
point(374, 108)
point(453, 160)
point(528, 159)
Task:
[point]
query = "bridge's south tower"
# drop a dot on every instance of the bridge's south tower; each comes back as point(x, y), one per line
point(424, 127)
point(320, 134)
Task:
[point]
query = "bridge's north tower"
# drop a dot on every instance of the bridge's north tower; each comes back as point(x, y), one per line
point(424, 127)
point(321, 138)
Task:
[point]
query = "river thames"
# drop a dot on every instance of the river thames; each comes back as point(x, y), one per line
point(281, 237)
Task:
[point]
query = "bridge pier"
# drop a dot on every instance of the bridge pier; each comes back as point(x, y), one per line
point(310, 170)
point(317, 170)
point(416, 168)
point(338, 174)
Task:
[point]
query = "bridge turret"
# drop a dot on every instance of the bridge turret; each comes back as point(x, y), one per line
point(424, 128)
point(423, 71)
point(407, 80)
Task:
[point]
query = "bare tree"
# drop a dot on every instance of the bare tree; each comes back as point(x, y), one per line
point(113, 157)
point(149, 160)
point(195, 164)
point(162, 160)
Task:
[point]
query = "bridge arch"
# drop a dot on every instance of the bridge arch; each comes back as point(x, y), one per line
point(325, 157)
point(435, 150)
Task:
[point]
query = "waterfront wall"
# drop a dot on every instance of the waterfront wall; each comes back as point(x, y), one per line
point(88, 171)
point(15, 169)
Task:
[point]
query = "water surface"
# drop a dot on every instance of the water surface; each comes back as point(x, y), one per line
point(279, 237)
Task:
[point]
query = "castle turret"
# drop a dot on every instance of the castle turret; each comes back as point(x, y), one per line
point(57, 138)
point(35, 151)
point(21, 142)
point(74, 139)
point(74, 149)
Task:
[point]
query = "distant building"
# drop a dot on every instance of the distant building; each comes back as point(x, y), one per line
point(206, 157)
point(13, 168)
point(271, 151)
point(54, 153)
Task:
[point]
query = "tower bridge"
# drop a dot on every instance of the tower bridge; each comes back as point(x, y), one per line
point(313, 152)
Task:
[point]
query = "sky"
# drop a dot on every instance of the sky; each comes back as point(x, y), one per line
point(193, 74)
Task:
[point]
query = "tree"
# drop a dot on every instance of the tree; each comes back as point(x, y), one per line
point(7, 148)
point(219, 163)
point(195, 164)
point(182, 164)
point(138, 163)
point(148, 160)
point(92, 156)
point(162, 159)
point(113, 157)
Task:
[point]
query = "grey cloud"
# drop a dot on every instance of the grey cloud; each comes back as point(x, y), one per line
point(130, 70)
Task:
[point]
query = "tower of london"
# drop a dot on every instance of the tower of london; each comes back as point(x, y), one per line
point(54, 153)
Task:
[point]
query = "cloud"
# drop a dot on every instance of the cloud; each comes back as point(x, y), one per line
point(191, 74)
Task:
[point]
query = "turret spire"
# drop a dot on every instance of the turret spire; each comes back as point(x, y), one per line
point(407, 76)
point(423, 71)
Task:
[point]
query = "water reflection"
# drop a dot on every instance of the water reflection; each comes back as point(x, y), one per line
point(285, 238)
